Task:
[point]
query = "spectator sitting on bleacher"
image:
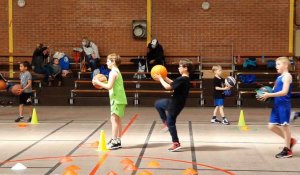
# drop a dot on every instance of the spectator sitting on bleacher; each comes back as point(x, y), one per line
point(92, 54)
point(38, 62)
point(155, 54)
point(56, 71)
point(64, 63)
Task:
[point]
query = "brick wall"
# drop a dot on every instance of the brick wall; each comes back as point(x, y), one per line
point(297, 12)
point(253, 27)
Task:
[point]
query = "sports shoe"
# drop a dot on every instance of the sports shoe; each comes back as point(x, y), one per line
point(215, 120)
point(113, 144)
point(285, 153)
point(225, 121)
point(294, 115)
point(293, 143)
point(119, 142)
point(175, 147)
point(19, 119)
point(29, 119)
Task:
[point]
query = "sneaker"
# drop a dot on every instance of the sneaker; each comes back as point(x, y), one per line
point(293, 116)
point(285, 153)
point(165, 128)
point(225, 121)
point(119, 142)
point(215, 120)
point(293, 143)
point(29, 119)
point(175, 147)
point(19, 119)
point(113, 144)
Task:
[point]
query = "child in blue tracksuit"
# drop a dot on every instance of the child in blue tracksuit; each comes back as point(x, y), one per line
point(280, 114)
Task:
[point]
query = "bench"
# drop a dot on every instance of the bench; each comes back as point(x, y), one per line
point(137, 83)
point(39, 82)
point(35, 98)
point(237, 73)
point(135, 92)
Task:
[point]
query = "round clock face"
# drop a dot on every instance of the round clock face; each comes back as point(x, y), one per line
point(205, 5)
point(21, 3)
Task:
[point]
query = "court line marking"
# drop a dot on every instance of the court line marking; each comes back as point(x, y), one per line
point(125, 156)
point(33, 144)
point(193, 151)
point(138, 161)
point(77, 147)
point(103, 158)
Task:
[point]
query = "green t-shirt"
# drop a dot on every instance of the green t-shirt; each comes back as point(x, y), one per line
point(117, 93)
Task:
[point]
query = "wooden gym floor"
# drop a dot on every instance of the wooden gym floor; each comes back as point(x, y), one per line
point(66, 136)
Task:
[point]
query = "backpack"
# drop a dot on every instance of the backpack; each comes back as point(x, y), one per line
point(64, 63)
point(249, 63)
point(102, 70)
point(271, 64)
point(247, 79)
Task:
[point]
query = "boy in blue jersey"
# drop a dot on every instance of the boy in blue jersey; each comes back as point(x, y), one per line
point(280, 114)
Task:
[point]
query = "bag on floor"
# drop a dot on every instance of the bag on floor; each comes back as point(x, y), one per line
point(247, 79)
point(249, 63)
point(271, 64)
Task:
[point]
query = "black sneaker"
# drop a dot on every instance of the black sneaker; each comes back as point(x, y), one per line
point(119, 142)
point(225, 121)
point(29, 119)
point(215, 120)
point(19, 119)
point(113, 144)
point(285, 153)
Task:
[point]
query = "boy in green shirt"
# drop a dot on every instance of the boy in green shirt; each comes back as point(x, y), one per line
point(117, 96)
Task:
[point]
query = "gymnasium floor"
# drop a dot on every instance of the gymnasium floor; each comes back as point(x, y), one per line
point(72, 132)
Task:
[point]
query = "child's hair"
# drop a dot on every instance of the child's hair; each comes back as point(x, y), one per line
point(217, 67)
point(114, 58)
point(54, 60)
point(25, 64)
point(187, 63)
point(284, 60)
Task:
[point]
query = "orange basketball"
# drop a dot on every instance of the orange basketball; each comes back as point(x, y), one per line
point(2, 85)
point(101, 78)
point(16, 89)
point(160, 70)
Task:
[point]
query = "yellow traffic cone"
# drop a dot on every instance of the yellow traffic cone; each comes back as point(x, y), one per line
point(102, 142)
point(242, 119)
point(34, 117)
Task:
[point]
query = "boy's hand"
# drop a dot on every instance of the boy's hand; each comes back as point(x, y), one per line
point(21, 91)
point(152, 61)
point(264, 97)
point(227, 88)
point(157, 77)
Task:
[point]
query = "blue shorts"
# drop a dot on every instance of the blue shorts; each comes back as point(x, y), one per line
point(280, 115)
point(219, 102)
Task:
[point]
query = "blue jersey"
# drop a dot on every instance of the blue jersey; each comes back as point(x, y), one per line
point(278, 87)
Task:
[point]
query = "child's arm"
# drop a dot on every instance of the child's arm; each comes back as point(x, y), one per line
point(111, 81)
point(164, 82)
point(222, 89)
point(285, 89)
point(29, 84)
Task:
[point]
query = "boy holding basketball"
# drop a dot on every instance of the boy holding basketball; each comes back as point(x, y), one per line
point(118, 100)
point(26, 91)
point(170, 108)
point(280, 114)
point(219, 88)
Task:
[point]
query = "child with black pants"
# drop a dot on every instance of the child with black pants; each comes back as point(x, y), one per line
point(26, 92)
point(170, 108)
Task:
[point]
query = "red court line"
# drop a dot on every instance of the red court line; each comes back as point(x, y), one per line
point(103, 158)
point(124, 156)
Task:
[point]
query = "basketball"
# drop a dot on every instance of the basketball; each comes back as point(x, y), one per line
point(101, 78)
point(230, 81)
point(16, 89)
point(262, 90)
point(2, 85)
point(160, 70)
